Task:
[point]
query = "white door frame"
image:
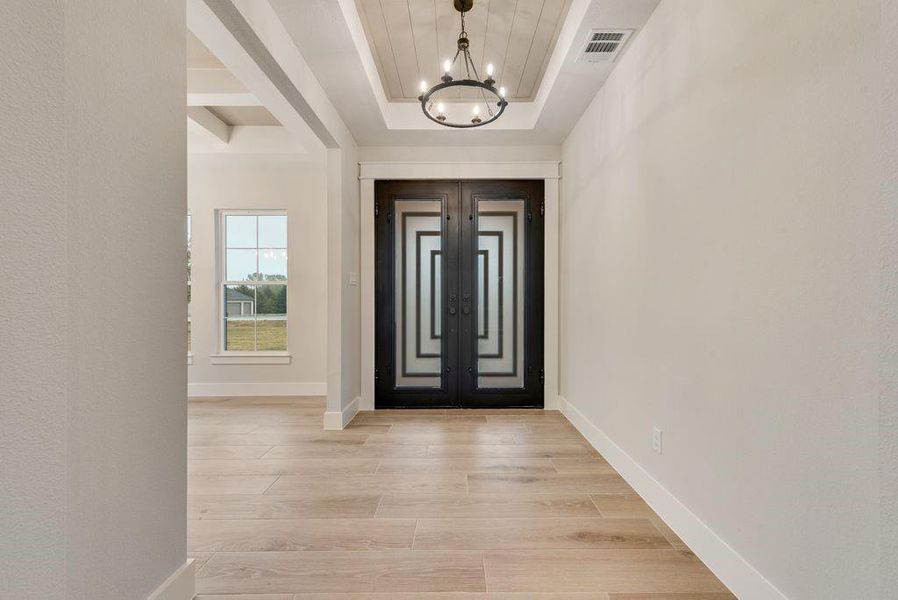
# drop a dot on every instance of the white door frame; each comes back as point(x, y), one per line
point(549, 171)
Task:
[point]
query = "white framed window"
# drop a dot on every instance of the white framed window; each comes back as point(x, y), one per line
point(252, 281)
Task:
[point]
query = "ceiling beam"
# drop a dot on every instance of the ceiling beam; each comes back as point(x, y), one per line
point(222, 99)
point(221, 27)
point(202, 119)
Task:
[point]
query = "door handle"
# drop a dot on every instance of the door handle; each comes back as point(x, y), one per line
point(452, 309)
point(466, 308)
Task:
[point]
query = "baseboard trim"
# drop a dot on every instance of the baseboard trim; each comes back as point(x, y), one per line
point(290, 388)
point(733, 570)
point(335, 421)
point(180, 585)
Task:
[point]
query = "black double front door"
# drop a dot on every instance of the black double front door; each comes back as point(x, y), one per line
point(459, 294)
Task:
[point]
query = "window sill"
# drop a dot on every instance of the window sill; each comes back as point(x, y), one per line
point(250, 358)
point(189, 358)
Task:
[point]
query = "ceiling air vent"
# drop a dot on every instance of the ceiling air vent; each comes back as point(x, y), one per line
point(603, 45)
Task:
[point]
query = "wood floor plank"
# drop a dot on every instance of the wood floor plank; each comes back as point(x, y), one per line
point(455, 425)
point(359, 451)
point(295, 506)
point(314, 426)
point(320, 438)
point(511, 483)
point(589, 464)
point(532, 534)
point(560, 435)
point(532, 416)
point(622, 505)
point(386, 483)
point(245, 597)
point(472, 464)
point(426, 414)
point(512, 412)
point(550, 427)
point(453, 596)
point(442, 438)
point(225, 452)
point(712, 596)
point(612, 571)
point(386, 571)
point(423, 506)
point(204, 428)
point(285, 466)
point(511, 450)
point(299, 534)
point(412, 419)
point(228, 484)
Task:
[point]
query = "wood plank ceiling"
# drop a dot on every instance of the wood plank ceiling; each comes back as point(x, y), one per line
point(411, 38)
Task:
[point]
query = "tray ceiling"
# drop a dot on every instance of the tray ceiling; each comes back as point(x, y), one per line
point(410, 39)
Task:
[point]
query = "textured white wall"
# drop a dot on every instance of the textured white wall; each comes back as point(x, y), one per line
point(721, 261)
point(888, 466)
point(93, 194)
point(33, 233)
point(303, 194)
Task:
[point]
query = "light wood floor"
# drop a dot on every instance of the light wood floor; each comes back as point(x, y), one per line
point(423, 505)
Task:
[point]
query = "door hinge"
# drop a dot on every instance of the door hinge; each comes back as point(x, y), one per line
point(376, 210)
point(529, 217)
point(542, 376)
point(542, 208)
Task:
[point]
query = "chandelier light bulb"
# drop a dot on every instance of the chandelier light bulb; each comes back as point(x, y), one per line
point(447, 65)
point(476, 110)
point(441, 109)
point(502, 91)
point(423, 86)
point(489, 70)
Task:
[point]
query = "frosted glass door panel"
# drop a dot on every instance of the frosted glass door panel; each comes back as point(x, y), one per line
point(419, 296)
point(499, 281)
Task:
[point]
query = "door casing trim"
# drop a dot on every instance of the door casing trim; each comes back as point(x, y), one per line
point(548, 171)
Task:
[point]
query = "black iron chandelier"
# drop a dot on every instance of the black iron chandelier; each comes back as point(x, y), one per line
point(489, 103)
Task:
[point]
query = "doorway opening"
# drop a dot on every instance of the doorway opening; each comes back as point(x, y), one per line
point(459, 294)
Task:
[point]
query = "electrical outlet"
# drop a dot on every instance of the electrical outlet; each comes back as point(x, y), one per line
point(656, 439)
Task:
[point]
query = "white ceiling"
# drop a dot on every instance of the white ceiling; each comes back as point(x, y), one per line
point(325, 49)
point(331, 36)
point(238, 129)
point(410, 39)
point(200, 57)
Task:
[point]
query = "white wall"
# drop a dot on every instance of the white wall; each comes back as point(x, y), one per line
point(459, 153)
point(344, 315)
point(33, 396)
point(302, 192)
point(888, 467)
point(721, 262)
point(92, 411)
